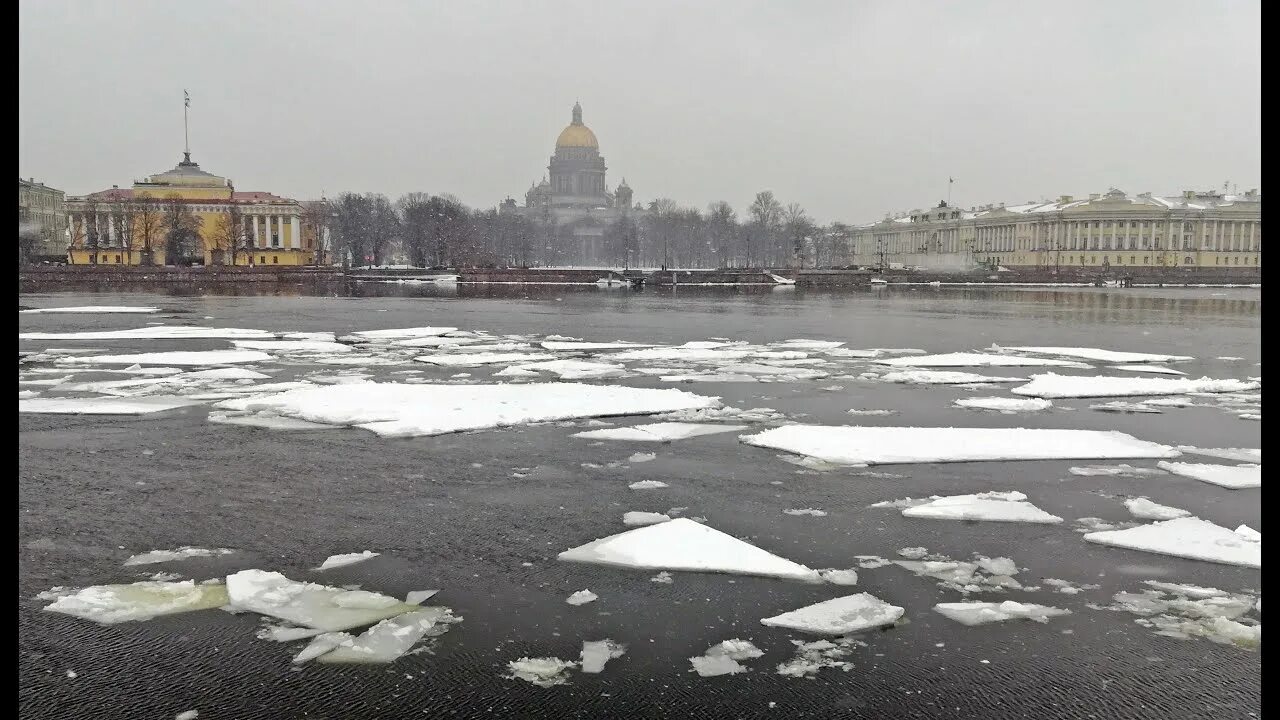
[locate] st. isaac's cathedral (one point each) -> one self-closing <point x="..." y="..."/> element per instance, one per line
<point x="575" y="205"/>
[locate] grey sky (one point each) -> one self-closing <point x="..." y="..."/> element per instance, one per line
<point x="852" y="109"/>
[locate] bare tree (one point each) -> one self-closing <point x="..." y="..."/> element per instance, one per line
<point x="722" y="225"/>
<point x="418" y="220"/>
<point x="229" y="236"/>
<point x="182" y="231"/>
<point x="148" y="220"/>
<point x="766" y="217"/>
<point x="383" y="226"/>
<point x="318" y="216"/>
<point x="122" y="214"/>
<point x="92" y="233"/>
<point x="799" y="230"/>
<point x="28" y="240"/>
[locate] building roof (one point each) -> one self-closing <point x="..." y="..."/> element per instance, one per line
<point x="254" y="196"/>
<point x="576" y="134"/>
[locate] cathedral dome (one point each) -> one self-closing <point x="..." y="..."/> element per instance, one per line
<point x="577" y="134"/>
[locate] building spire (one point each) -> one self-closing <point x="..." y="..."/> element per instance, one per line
<point x="186" y="133"/>
<point x="577" y="113"/>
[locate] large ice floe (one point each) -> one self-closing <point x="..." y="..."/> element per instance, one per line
<point x="858" y="445"/>
<point x="400" y="410"/>
<point x="658" y="432"/>
<point x="1050" y="385"/>
<point x="158" y="556"/>
<point x="110" y="604"/>
<point x="1110" y="356"/>
<point x="1189" y="611"/>
<point x="102" y="405"/>
<point x="989" y="506"/>
<point x="1187" y="537"/>
<point x="177" y="357"/>
<point x="943" y="377"/>
<point x="292" y="346"/>
<point x="320" y="607"/>
<point x="400" y="333"/>
<point x="981" y="613"/>
<point x="682" y="544"/>
<point x="1005" y="405"/>
<point x="114" y="309"/>
<point x="839" y="616"/>
<point x="962" y="359"/>
<point x="1246" y="455"/>
<point x="155" y="332"/>
<point x="1234" y="477"/>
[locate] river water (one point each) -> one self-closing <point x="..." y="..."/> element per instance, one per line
<point x="450" y="512"/>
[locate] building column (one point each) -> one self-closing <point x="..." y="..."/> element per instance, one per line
<point x="295" y="240"/>
<point x="255" y="231"/>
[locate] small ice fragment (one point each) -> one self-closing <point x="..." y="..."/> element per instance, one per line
<point x="187" y="715"/>
<point x="543" y="672"/>
<point x="582" y="597"/>
<point x="715" y="665"/>
<point x="319" y="645"/>
<point x="182" y="553"/>
<point x="805" y="511"/>
<point x="1145" y="509"/>
<point x="417" y="597"/>
<point x="643" y="518"/>
<point x="334" y="561"/>
<point x="641" y="457"/>
<point x="980" y="613"/>
<point x="913" y="553"/>
<point x="647" y="485"/>
<point x="662" y="578"/>
<point x="839" y="616"/>
<point x="840" y="577"/>
<point x="595" y="653"/>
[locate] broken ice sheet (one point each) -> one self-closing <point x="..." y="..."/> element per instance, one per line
<point x="813" y="656"/>
<point x="1120" y="406"/>
<point x="1154" y="369"/>
<point x="1187" y="537"/>
<point x="1227" y="476"/>
<point x="977" y="360"/>
<point x="1098" y="354"/>
<point x="103" y="405"/>
<point x="1244" y="455"/>
<point x="636" y="517"/>
<point x="595" y="653"/>
<point x="182" y="553"/>
<point x="647" y="485"/>
<point x="981" y="613"/>
<point x="943" y="377"/>
<point x="858" y="445"/>
<point x="98" y="309"/>
<point x="177" y="357"/>
<point x="301" y="603"/>
<point x="1050" y="385"/>
<point x="682" y="544"/>
<point x="989" y="506"/>
<point x="582" y="597"/>
<point x="1005" y="405"/>
<point x="1188" y="611"/>
<point x="156" y="332"/>
<point x="658" y="432"/>
<point x="334" y="561"/>
<point x="982" y="574"/>
<point x="1122" y="470"/>
<point x="1145" y="509"/>
<point x="267" y="420"/>
<point x="702" y="415"/>
<point x="805" y="511"/>
<point x="144" y="600"/>
<point x="839" y="616"/>
<point x="722" y="658"/>
<point x="392" y="638"/>
<point x="543" y="672"/>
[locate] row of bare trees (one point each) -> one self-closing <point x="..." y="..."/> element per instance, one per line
<point x="427" y="230"/>
<point x="141" y="225"/>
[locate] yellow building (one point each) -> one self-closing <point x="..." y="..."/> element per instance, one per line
<point x="217" y="225"/>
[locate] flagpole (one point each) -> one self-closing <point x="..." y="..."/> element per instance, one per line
<point x="186" y="134"/>
<point x="950" y="181"/>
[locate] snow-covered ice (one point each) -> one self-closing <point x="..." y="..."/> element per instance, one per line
<point x="595" y="653"/>
<point x="636" y="517"/>
<point x="1234" y="477"/>
<point x="317" y="606"/>
<point x="1100" y="355"/>
<point x="158" y="556"/>
<point x="1005" y="405"/>
<point x="857" y="445"/>
<point x="109" y="604"/>
<point x="480" y="358"/>
<point x="1050" y="385"/>
<point x="943" y="377"/>
<point x="961" y="359"/>
<point x="402" y="333"/>
<point x="838" y="616"/>
<point x="647" y="485"/>
<point x="582" y="597"/>
<point x="1187" y="537"/>
<point x="155" y="332"/>
<point x="400" y="410"/>
<point x="120" y="309"/>
<point x="682" y="544"/>
<point x="102" y="405"/>
<point x="269" y="421"/>
<point x="981" y="613"/>
<point x="641" y="457"/>
<point x="990" y="506"/>
<point x="177" y="357"/>
<point x="1246" y="455"/>
<point x="569" y="369"/>
<point x="658" y="432"/>
<point x="292" y="346"/>
<point x="840" y="577"/>
<point x="1145" y="509"/>
<point x="1188" y="611"/>
<point x="1154" y="369"/>
<point x="543" y="671"/>
<point x="1122" y="470"/>
<point x="575" y="345"/>
<point x="805" y="511"/>
<point x="341" y="560"/>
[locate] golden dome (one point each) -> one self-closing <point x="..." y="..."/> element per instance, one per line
<point x="577" y="136"/>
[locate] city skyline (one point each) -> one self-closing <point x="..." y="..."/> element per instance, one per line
<point x="829" y="112"/>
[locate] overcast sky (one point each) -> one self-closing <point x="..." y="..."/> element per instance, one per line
<point x="853" y="109"/>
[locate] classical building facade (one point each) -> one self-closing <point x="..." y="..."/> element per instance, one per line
<point x="110" y="227"/>
<point x="575" y="205"/>
<point x="1108" y="230"/>
<point x="41" y="214"/>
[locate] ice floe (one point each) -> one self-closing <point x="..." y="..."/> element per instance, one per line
<point x="401" y="333"/>
<point x="321" y="607"/>
<point x="1228" y="476"/>
<point x="805" y="344"/>
<point x="95" y="309"/>
<point x="576" y="345"/>
<point x="344" y="559"/>
<point x="683" y="354"/>
<point x="155" y="332"/>
<point x="595" y="653"/>
<point x="177" y="357"/>
<point x="480" y="358"/>
<point x="569" y="369"/>
<point x="943" y="377"/>
<point x="857" y="445"/>
<point x="636" y="517"/>
<point x="641" y="457"/>
<point x="811" y="657"/>
<point x="840" y="577"/>
<point x="1154" y="369"/>
<point x="1005" y="405"/>
<point x="1187" y="537"/>
<point x="1247" y="455"/>
<point x="400" y="410"/>
<point x="702" y="415"/>
<point x="102" y="405"/>
<point x="292" y="346"/>
<point x="723" y="658"/>
<point x="543" y="671"/>
<point x="982" y="574"/>
<point x="1120" y="406"/>
<point x="109" y="604"/>
<point x="682" y="544"/>
<point x="1121" y="470"/>
<point x="805" y="511"/>
<point x="1190" y="611"/>
<point x="391" y="638"/>
<point x="658" y="432"/>
<point x="1098" y="354"/>
<point x="647" y="485"/>
<point x="990" y="506"/>
<point x="1144" y="509"/>
<point x="1050" y="385"/>
<point x="582" y="597"/>
<point x="158" y="556"/>
<point x="961" y="359"/>
<point x="981" y="613"/>
<point x="839" y="616"/>
<point x="270" y="421"/>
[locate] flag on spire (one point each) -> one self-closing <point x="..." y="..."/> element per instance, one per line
<point x="186" y="98"/>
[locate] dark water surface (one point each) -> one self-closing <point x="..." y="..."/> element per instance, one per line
<point x="447" y="512"/>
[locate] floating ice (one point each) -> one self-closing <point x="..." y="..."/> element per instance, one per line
<point x="334" y="561"/>
<point x="700" y="415"/>
<point x="417" y="597"/>
<point x="1100" y="355"/>
<point x="103" y="405"/>
<point x="722" y="658"/>
<point x="402" y="333"/>
<point x="658" y="432"/>
<point x="1067" y="587"/>
<point x="398" y="409"/>
<point x="662" y="578"/>
<point x="1187" y="611"/>
<point x="1249" y="533"/>
<point x="177" y="357"/>
<point x="848" y="614"/>
<point x="155" y="332"/>
<point x="991" y="506"/>
<point x="647" y="485"/>
<point x="682" y="544"/>
<point x="982" y="574"/>
<point x="391" y="638"/>
<point x="1187" y="537"/>
<point x="1227" y="476"/>
<point x="182" y="553"/>
<point x="641" y="457"/>
<point x="643" y="518"/>
<point x="1121" y="470"/>
<point x="317" y="606"/>
<point x="1004" y="405"/>
<point x="804" y="344"/>
<point x="855" y="445"/>
<point x="123" y="309"/>
<point x="943" y="377"/>
<point x="582" y="597"/>
<point x="1248" y="455"/>
<point x="1155" y="369"/>
<point x="1050" y="385"/>
<point x="981" y="613"/>
<point x="229" y="373"/>
<point x="572" y="369"/>
<point x="595" y="653"/>
<point x="856" y="411"/>
<point x="685" y="354"/>
<point x="109" y="604"/>
<point x="480" y="358"/>
<point x="574" y="345"/>
<point x="840" y="577"/>
<point x="292" y="346"/>
<point x="270" y="421"/>
<point x="977" y="360"/>
<point x="1120" y="406"/>
<point x="813" y="656"/>
<point x="805" y="511"/>
<point x="1144" y="509"/>
<point x="543" y="672"/>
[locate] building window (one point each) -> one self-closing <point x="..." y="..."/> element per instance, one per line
<point x="1133" y="260"/>
<point x="1186" y="260"/>
<point x="275" y="259"/>
<point x="1146" y="259"/>
<point x="262" y="260"/>
<point x="117" y="259"/>
<point x="275" y="240"/>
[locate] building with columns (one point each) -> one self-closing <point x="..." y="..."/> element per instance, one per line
<point x="129" y="226"/>
<point x="41" y="213"/>
<point x="575" y="206"/>
<point x="1109" y="230"/>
